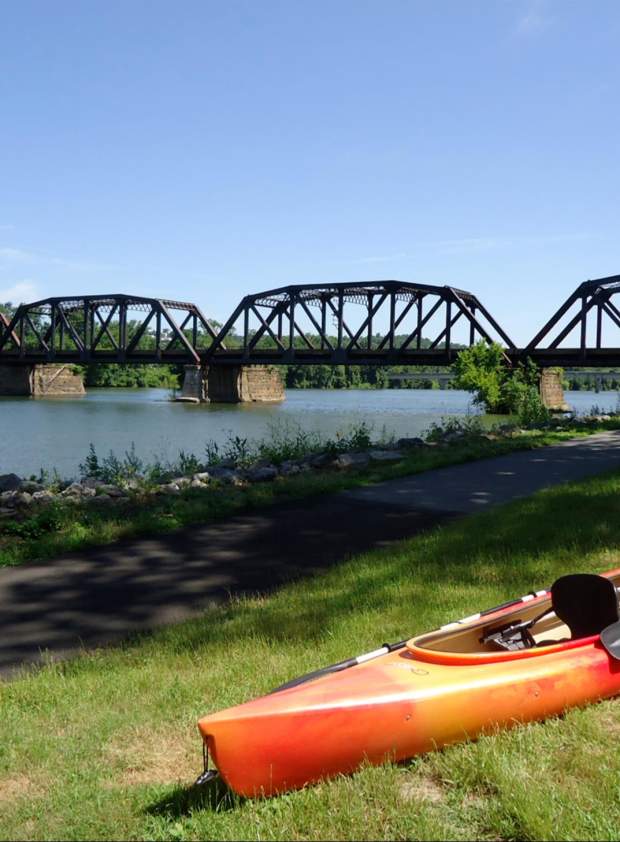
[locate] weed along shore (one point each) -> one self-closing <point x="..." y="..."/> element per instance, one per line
<point x="121" y="497"/>
<point x="106" y="746"/>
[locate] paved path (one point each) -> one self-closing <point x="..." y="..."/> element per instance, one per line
<point x="99" y="596"/>
<point x="474" y="486"/>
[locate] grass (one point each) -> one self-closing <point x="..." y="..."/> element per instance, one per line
<point x="65" y="527"/>
<point x="105" y="746"/>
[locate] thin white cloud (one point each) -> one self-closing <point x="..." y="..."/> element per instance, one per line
<point x="386" y="258"/>
<point x="21" y="292"/>
<point x="475" y="244"/>
<point x="7" y="253"/>
<point x="464" y="244"/>
<point x="18" y="255"/>
<point x="534" y="21"/>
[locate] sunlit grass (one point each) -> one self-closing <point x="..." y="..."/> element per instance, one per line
<point x="106" y="747"/>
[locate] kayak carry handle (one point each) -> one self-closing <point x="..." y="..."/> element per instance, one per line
<point x="207" y="774"/>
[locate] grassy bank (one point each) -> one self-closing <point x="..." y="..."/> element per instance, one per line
<point x="64" y="526"/>
<point x="106" y="746"/>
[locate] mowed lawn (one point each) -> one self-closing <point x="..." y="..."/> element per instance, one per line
<point x="106" y="746"/>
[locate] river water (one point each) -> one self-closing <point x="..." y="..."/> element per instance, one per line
<point x="56" y="432"/>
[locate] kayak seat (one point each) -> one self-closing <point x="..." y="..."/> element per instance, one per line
<point x="585" y="602"/>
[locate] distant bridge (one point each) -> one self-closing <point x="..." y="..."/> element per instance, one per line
<point x="446" y="376"/>
<point x="334" y="324"/>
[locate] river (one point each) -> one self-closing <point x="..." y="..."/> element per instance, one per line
<point x="56" y="432"/>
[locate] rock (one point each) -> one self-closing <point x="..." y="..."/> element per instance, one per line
<point x="92" y="482"/>
<point x="196" y="483"/>
<point x="289" y="469"/>
<point x="319" y="460"/>
<point x="385" y="455"/>
<point x="406" y="443"/>
<point x="43" y="496"/>
<point x="7" y="498"/>
<point x="203" y="476"/>
<point x="10" y="482"/>
<point x="351" y="460"/>
<point x="77" y="491"/>
<point x="265" y="473"/>
<point x="23" y="498"/>
<point x="30" y="486"/>
<point x="4" y="512"/>
<point x="109" y="490"/>
<point x="227" y="476"/>
<point x="181" y="482"/>
<point x="102" y="500"/>
<point x="168" y="488"/>
<point x="73" y="490"/>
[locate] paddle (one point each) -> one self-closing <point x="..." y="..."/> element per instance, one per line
<point x="610" y="638"/>
<point x="393" y="647"/>
<point x="341" y="665"/>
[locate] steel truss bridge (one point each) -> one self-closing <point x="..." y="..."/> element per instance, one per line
<point x="370" y="323"/>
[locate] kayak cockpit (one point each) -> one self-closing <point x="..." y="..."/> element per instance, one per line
<point x="573" y="613"/>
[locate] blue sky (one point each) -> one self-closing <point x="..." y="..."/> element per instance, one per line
<point x="203" y="150"/>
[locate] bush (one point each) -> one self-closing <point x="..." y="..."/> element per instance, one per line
<point x="465" y="427"/>
<point x="500" y="389"/>
<point x="111" y="468"/>
<point x="530" y="409"/>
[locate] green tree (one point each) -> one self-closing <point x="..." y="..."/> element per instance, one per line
<point x="498" y="387"/>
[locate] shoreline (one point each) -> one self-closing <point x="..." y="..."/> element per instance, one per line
<point x="43" y="522"/>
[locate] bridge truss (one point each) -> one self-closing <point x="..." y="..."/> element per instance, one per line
<point x="587" y="316"/>
<point x="371" y="323"/>
<point x="358" y="323"/>
<point x="105" y="328"/>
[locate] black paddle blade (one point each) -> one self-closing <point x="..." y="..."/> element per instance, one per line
<point x="610" y="638"/>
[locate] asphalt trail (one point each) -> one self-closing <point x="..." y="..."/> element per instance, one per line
<point x="99" y="596"/>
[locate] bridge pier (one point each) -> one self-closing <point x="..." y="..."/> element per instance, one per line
<point x="231" y="384"/>
<point x="40" y="380"/>
<point x="552" y="391"/>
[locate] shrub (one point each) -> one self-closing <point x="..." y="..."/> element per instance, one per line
<point x="500" y="389"/>
<point x="470" y="427"/>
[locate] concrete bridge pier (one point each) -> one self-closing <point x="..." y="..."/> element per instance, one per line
<point x="552" y="391"/>
<point x="231" y="384"/>
<point x="40" y="380"/>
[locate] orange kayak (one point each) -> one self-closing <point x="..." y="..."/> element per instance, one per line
<point x="525" y="660"/>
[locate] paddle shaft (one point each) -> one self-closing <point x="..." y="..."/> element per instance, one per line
<point x="393" y="647"/>
<point x="342" y="665"/>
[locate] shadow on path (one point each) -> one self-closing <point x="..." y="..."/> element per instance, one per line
<point x="107" y="593"/>
<point x="101" y="595"/>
